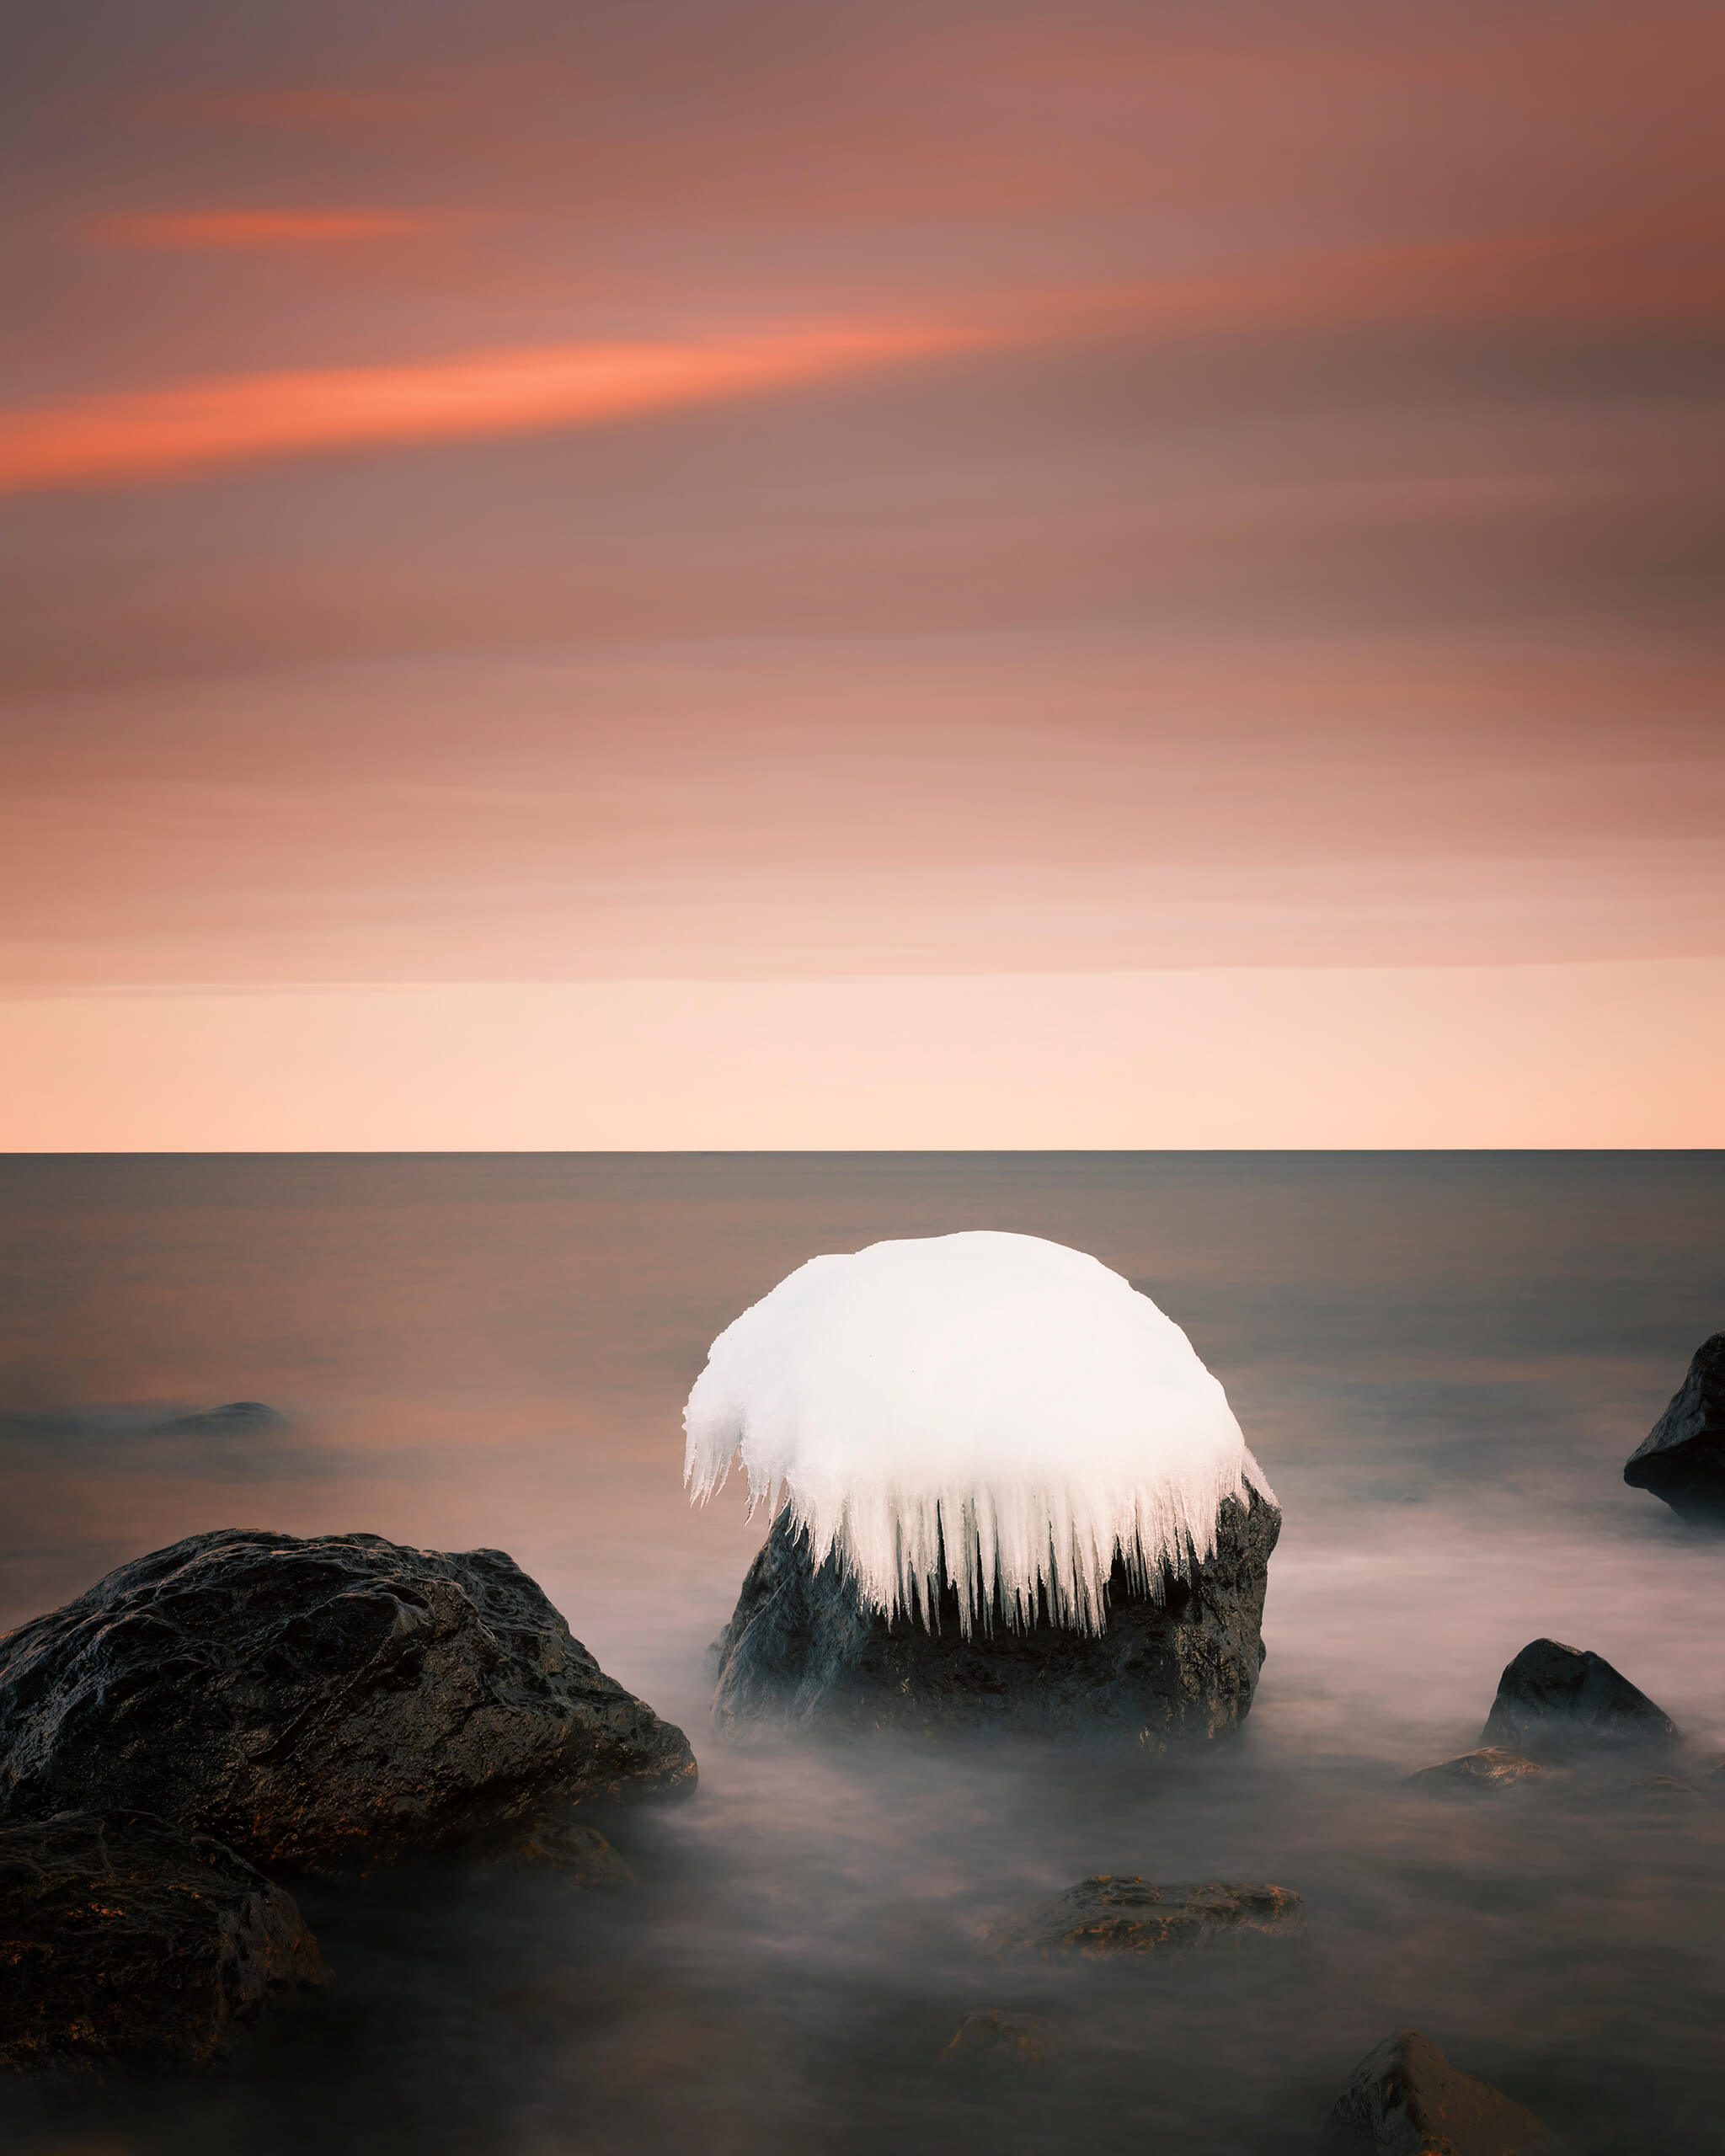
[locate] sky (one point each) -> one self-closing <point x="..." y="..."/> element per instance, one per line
<point x="839" y="575"/>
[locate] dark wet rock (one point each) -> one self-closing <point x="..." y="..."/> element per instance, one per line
<point x="1110" y="1915"/>
<point x="1555" y="1698"/>
<point x="1404" y="2099"/>
<point x="331" y="1703"/>
<point x="569" y="1851"/>
<point x="801" y="1649"/>
<point x="239" y="1418"/>
<point x="993" y="2037"/>
<point x="1490" y="1769"/>
<point x="1682" y="1458"/>
<point x="123" y="1938"/>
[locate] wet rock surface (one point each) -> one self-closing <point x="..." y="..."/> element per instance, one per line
<point x="1682" y="1458"/>
<point x="1404" y="2099"/>
<point x="1489" y="1769"/>
<point x="125" y="1940"/>
<point x="1112" y="1915"/>
<point x="1554" y="1698"/>
<point x="803" y="1650"/>
<point x="330" y="1703"/>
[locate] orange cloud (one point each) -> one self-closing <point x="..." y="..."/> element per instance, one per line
<point x="154" y="433"/>
<point x="243" y="229"/>
<point x="1613" y="278"/>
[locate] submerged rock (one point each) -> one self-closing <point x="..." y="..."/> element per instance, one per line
<point x="1662" y="1794"/>
<point x="1682" y="1458"/>
<point x="569" y="1851"/>
<point x="238" y="1418"/>
<point x="803" y="1648"/>
<point x="1555" y="1698"/>
<point x="992" y="2037"/>
<point x="125" y="1938"/>
<point x="1404" y="2099"/>
<point x="1110" y="1915"/>
<point x="333" y="1703"/>
<point x="1490" y="1768"/>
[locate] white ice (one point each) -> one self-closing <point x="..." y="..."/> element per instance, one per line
<point x="990" y="1408"/>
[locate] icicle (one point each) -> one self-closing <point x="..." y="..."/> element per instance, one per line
<point x="990" y="1411"/>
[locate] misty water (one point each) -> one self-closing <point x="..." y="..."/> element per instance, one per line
<point x="1441" y="1361"/>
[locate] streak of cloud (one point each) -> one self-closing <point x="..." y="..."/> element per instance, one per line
<point x="125" y="437"/>
<point x="141" y="436"/>
<point x="243" y="231"/>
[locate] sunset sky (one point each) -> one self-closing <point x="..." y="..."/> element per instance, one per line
<point x="839" y="575"/>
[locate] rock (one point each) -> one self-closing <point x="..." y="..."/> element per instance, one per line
<point x="1682" y="1458"/>
<point x="801" y="1649"/>
<point x="125" y="1938"/>
<point x="1554" y="1698"/>
<point x="1490" y="1768"/>
<point x="239" y="1418"/>
<point x="1109" y="1915"/>
<point x="1404" y="2099"/>
<point x="570" y="1852"/>
<point x="1662" y="1793"/>
<point x="331" y="1703"/>
<point x="991" y="2037"/>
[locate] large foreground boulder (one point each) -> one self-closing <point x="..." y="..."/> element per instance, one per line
<point x="1553" y="1698"/>
<point x="1682" y="1458"/>
<point x="803" y="1649"/>
<point x="1404" y="2099"/>
<point x="123" y="1938"/>
<point x="333" y="1703"/>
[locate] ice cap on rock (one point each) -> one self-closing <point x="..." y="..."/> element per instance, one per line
<point x="990" y="1409"/>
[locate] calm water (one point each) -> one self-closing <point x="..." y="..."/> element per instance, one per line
<point x="1442" y="1362"/>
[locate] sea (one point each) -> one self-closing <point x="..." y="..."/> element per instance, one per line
<point x="1441" y="1361"/>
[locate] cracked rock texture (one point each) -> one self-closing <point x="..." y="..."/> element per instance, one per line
<point x="331" y="1703"/>
<point x="123" y="1938"/>
<point x="801" y="1650"/>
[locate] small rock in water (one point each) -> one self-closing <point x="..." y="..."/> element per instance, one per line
<point x="1109" y="1915"/>
<point x="331" y="1703"/>
<point x="572" y="1852"/>
<point x="1553" y="1697"/>
<point x="992" y="2037"/>
<point x="239" y="1418"/>
<point x="122" y="1938"/>
<point x="1668" y="1793"/>
<point x="1682" y="1458"/>
<point x="1490" y="1768"/>
<point x="1404" y="2099"/>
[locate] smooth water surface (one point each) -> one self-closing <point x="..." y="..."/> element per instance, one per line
<point x="1441" y="1361"/>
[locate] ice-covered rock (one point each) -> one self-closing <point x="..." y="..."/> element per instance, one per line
<point x="1682" y="1458"/>
<point x="1003" y="1489"/>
